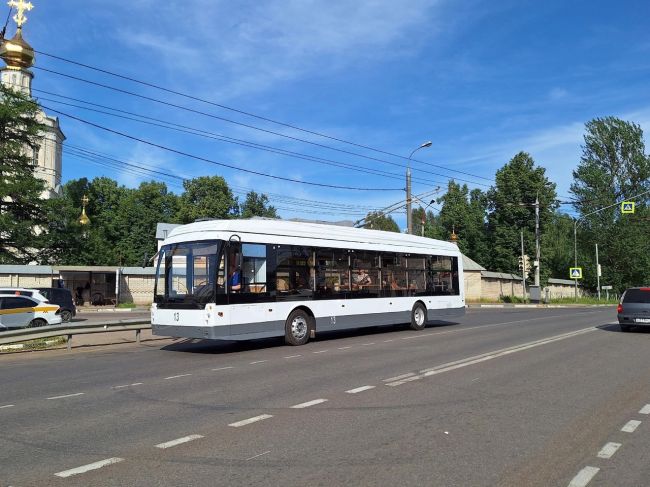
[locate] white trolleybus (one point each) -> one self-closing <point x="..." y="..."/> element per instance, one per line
<point x="248" y="279"/>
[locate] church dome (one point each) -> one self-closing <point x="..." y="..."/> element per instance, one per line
<point x="16" y="52"/>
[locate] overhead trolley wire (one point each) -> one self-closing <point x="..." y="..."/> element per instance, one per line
<point x="249" y="114"/>
<point x="271" y="132"/>
<point x="222" y="164"/>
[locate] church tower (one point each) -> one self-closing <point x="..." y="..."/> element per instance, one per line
<point x="19" y="57"/>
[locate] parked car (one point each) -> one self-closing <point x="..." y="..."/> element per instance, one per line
<point x="634" y="308"/>
<point x="21" y="291"/>
<point x="62" y="297"/>
<point x="18" y="311"/>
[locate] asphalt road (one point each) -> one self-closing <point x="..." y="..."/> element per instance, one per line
<point x="505" y="398"/>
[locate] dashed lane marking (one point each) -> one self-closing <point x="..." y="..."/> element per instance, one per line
<point x="360" y="389"/>
<point x="258" y="362"/>
<point x="255" y="419"/>
<point x="399" y="377"/>
<point x="403" y="381"/>
<point x="7" y="406"/>
<point x="631" y="426"/>
<point x="177" y="376"/>
<point x="584" y="477"/>
<point x="223" y="368"/>
<point x="321" y="351"/>
<point x="367" y="344"/>
<point x="66" y="395"/>
<point x="308" y="404"/>
<point x="388" y="341"/>
<point x="293" y="356"/>
<point x="344" y="348"/>
<point x="89" y="467"/>
<point x="178" y="441"/>
<point x="258" y="455"/>
<point x="645" y="409"/>
<point x="608" y="450"/>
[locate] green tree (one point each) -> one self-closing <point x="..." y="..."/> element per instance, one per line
<point x="510" y="204"/>
<point x="23" y="215"/>
<point x="257" y="205"/>
<point x="206" y="197"/>
<point x="557" y="245"/>
<point x="379" y="221"/>
<point x="613" y="167"/>
<point x="464" y="213"/>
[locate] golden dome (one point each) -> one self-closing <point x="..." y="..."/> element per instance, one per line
<point x="454" y="237"/>
<point x="16" y="52"/>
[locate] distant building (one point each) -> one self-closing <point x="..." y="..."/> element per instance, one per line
<point x="19" y="57"/>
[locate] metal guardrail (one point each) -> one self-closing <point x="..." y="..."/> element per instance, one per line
<point x="26" y="334"/>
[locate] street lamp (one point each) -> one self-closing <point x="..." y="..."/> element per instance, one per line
<point x="409" y="217"/>
<point x="424" y="214"/>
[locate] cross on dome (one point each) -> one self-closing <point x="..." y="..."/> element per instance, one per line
<point x="21" y="6"/>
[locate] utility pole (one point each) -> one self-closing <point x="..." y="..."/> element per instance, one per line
<point x="597" y="273"/>
<point x="409" y="216"/>
<point x="575" y="252"/>
<point x="523" y="267"/>
<point x="537" y="240"/>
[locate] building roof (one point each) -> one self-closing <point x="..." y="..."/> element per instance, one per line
<point x="470" y="265"/>
<point x="138" y="271"/>
<point x="500" y="275"/>
<point x="569" y="282"/>
<point x="27" y="269"/>
<point x="164" y="229"/>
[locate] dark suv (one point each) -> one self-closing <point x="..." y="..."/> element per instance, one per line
<point x="634" y="308"/>
<point x="63" y="298"/>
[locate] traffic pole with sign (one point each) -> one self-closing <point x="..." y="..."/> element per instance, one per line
<point x="627" y="207"/>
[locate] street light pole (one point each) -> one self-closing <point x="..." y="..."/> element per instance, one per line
<point x="409" y="216"/>
<point x="537" y="263"/>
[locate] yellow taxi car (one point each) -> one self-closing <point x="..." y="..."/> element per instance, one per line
<point x="26" y="312"/>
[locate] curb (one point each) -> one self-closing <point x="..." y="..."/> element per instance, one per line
<point x="512" y="305"/>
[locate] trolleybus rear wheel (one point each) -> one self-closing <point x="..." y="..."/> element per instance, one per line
<point x="418" y="317"/>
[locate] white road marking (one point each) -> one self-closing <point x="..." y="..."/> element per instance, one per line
<point x="321" y="351"/>
<point x="439" y="369"/>
<point x="89" y="467"/>
<point x="121" y="387"/>
<point x="308" y="404"/>
<point x="584" y="477"/>
<point x="360" y="389"/>
<point x="244" y="422"/>
<point x="391" y="340"/>
<point x="365" y="344"/>
<point x="630" y="426"/>
<point x="222" y="368"/>
<point x="403" y="381"/>
<point x="344" y="348"/>
<point x="399" y="377"/>
<point x="7" y="406"/>
<point x="177" y="376"/>
<point x="67" y="395"/>
<point x="178" y="441"/>
<point x="258" y="362"/>
<point x="293" y="356"/>
<point x="608" y="450"/>
<point x="137" y="384"/>
<point x="259" y="455"/>
<point x="645" y="409"/>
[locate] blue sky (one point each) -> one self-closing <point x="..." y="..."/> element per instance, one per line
<point x="481" y="80"/>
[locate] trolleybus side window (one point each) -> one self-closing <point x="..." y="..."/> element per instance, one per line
<point x="416" y="267"/>
<point x="332" y="273"/>
<point x="442" y="276"/>
<point x="294" y="272"/>
<point x="365" y="274"/>
<point x="393" y="275"/>
<point x="253" y="270"/>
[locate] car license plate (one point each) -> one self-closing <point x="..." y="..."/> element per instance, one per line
<point x="642" y="320"/>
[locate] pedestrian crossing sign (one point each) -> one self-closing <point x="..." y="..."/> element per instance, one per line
<point x="627" y="207"/>
<point x="575" y="272"/>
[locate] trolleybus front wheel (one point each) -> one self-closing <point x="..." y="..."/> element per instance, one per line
<point x="296" y="329"/>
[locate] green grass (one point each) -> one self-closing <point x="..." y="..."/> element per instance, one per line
<point x="126" y="305"/>
<point x="38" y="344"/>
